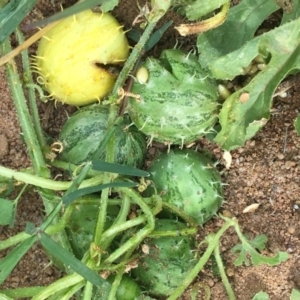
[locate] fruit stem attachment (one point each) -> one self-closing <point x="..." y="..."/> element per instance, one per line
<point x="133" y="57"/>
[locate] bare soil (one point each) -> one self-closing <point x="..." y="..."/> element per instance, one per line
<point x="265" y="171"/>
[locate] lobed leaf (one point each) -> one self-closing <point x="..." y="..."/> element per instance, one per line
<point x="248" y="250"/>
<point x="240" y="26"/>
<point x="241" y="120"/>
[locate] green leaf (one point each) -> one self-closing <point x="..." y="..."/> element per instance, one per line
<point x="109" y="5"/>
<point x="297" y="124"/>
<point x="291" y="11"/>
<point x="12" y="14"/>
<point x="69" y="198"/>
<point x="135" y="35"/>
<point x="295" y="295"/>
<point x="118" y="169"/>
<point x="194" y="11"/>
<point x="8" y="263"/>
<point x="241" y="120"/>
<point x="261" y="296"/>
<point x="4" y="297"/>
<point x="7" y="212"/>
<point x="241" y="23"/>
<point x="69" y="260"/>
<point x="248" y="248"/>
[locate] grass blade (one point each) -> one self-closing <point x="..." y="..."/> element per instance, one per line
<point x="117" y="168"/>
<point x="8" y="263"/>
<point x="75" y="9"/>
<point x="69" y="260"/>
<point x="11" y="16"/>
<point x="68" y="199"/>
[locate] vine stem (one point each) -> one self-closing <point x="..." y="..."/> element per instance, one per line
<point x="31" y="92"/>
<point x="30" y="137"/>
<point x="28" y="131"/>
<point x="212" y="244"/>
<point x="45" y="182"/>
<point x="111" y="120"/>
<point x="141" y="234"/>
<point x="223" y="275"/>
<point x="58" y="285"/>
<point x="133" y="57"/>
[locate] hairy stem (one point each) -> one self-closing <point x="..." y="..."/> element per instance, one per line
<point x="212" y="244"/>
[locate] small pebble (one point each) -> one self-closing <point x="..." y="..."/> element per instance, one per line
<point x="289" y="164"/>
<point x="230" y="272"/>
<point x="3" y="145"/>
<point x="280" y="156"/>
<point x="291" y="230"/>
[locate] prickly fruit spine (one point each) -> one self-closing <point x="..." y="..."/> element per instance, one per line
<point x="188" y="180"/>
<point x="178" y="101"/>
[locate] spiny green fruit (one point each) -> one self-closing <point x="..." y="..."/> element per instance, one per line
<point x="82" y="223"/>
<point x="168" y="262"/>
<point x="178" y="100"/>
<point x="76" y="58"/>
<point x="128" y="289"/>
<point x="84" y="130"/>
<point x="188" y="180"/>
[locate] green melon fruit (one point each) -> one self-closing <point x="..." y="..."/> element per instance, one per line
<point x="188" y="180"/>
<point x="84" y="130"/>
<point x="168" y="262"/>
<point x="81" y="227"/>
<point x="178" y="100"/>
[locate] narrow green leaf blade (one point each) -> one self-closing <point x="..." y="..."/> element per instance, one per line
<point x="68" y="199"/>
<point x="69" y="260"/>
<point x="8" y="263"/>
<point x="117" y="168"/>
<point x="7" y="212"/>
<point x="75" y="9"/>
<point x="11" y="16"/>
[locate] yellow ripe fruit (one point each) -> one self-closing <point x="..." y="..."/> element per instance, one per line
<point x="75" y="58"/>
